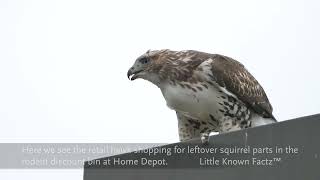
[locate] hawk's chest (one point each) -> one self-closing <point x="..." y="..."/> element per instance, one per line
<point x="195" y="100"/>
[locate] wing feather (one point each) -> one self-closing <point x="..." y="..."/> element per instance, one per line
<point x="232" y="75"/>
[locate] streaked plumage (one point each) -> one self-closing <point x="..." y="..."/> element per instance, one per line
<point x="209" y="92"/>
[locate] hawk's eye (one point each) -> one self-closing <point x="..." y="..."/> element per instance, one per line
<point x="144" y="60"/>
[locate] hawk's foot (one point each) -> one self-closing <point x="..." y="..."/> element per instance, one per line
<point x="205" y="138"/>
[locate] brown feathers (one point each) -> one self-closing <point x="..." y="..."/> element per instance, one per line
<point x="198" y="71"/>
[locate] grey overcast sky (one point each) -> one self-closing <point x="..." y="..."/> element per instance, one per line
<point x="63" y="63"/>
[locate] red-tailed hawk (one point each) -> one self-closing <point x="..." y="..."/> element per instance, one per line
<point x="209" y="92"/>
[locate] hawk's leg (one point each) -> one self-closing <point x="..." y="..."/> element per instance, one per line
<point x="189" y="128"/>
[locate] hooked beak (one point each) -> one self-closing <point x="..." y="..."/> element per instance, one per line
<point x="132" y="74"/>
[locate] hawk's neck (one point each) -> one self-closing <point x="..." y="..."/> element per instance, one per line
<point x="154" y="79"/>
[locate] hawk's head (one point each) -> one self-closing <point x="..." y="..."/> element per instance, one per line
<point x="139" y="68"/>
<point x="145" y="66"/>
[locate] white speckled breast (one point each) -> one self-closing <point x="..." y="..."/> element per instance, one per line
<point x="197" y="104"/>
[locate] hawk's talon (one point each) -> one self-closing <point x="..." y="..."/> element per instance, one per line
<point x="205" y="138"/>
